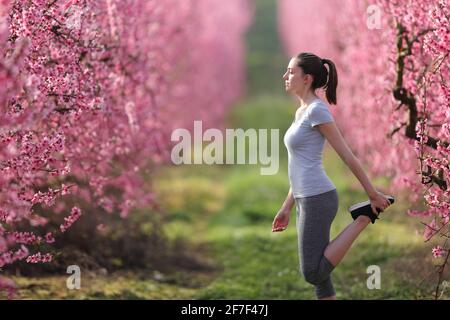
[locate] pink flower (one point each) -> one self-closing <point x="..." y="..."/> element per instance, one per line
<point x="23" y="237"/>
<point x="47" y="258"/>
<point x="49" y="238"/>
<point x="36" y="220"/>
<point x="21" y="253"/>
<point x="68" y="221"/>
<point x="38" y="257"/>
<point x="107" y="204"/>
<point x="437" y="251"/>
<point x="64" y="189"/>
<point x="35" y="258"/>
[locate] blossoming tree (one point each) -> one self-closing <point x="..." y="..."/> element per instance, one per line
<point x="90" y="91"/>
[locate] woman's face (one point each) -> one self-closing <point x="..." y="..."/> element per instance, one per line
<point x="295" y="80"/>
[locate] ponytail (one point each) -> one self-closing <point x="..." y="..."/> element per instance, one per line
<point x="332" y="82"/>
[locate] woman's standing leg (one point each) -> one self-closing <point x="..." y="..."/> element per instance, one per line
<point x="314" y="217"/>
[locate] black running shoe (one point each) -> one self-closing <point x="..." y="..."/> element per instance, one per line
<point x="364" y="208"/>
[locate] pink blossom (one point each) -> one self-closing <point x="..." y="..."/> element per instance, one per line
<point x="38" y="257"/>
<point x="438" y="251"/>
<point x="49" y="238"/>
<point x="68" y="221"/>
<point x="23" y="237"/>
<point x="68" y="70"/>
<point x="64" y="189"/>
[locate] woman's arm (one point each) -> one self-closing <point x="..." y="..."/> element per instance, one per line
<point x="288" y="202"/>
<point x="334" y="137"/>
<point x="281" y="220"/>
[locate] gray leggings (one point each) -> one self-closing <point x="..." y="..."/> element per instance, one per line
<point x="314" y="217"/>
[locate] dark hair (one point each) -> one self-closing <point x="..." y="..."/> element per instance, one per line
<point x="312" y="64"/>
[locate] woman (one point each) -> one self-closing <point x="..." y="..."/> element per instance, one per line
<point x="313" y="193"/>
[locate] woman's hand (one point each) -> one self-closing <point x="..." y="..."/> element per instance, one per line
<point x="281" y="220"/>
<point x="380" y="201"/>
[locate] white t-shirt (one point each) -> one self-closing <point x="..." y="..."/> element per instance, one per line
<point x="304" y="144"/>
